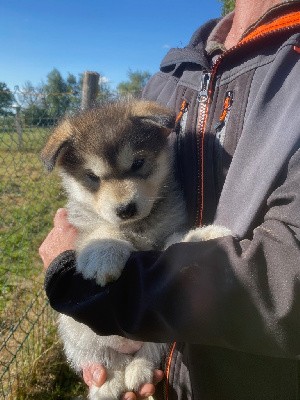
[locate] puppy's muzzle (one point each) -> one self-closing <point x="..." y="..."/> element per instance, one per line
<point x="126" y="211"/>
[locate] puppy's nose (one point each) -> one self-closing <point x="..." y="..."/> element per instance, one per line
<point x="126" y="211"/>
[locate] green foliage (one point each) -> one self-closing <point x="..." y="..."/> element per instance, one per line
<point x="105" y="93"/>
<point x="228" y="5"/>
<point x="56" y="90"/>
<point x="43" y="105"/>
<point x="135" y="84"/>
<point x="37" y="116"/>
<point x="74" y="90"/>
<point x="6" y="99"/>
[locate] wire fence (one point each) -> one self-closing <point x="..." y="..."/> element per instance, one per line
<point x="28" y="200"/>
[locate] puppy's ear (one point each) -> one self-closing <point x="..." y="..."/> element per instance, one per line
<point x="155" y="114"/>
<point x="60" y="139"/>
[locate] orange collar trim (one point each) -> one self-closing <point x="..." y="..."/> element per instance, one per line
<point x="288" y="20"/>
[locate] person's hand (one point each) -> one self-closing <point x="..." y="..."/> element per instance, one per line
<point x="95" y="374"/>
<point x="61" y="238"/>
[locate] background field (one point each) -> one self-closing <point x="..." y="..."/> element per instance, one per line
<point x="31" y="362"/>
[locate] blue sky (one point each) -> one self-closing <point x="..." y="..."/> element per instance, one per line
<point x="109" y="36"/>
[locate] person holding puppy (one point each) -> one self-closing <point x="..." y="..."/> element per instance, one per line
<point x="228" y="307"/>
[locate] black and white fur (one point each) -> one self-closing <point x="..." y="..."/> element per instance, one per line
<point x="116" y="165"/>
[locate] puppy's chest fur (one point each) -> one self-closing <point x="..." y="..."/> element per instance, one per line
<point x="151" y="233"/>
<point x="166" y="219"/>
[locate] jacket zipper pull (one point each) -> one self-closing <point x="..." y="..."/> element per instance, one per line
<point x="203" y="92"/>
<point x="226" y="109"/>
<point x="182" y="111"/>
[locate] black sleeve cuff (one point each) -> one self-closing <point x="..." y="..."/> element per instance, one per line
<point x="64" y="262"/>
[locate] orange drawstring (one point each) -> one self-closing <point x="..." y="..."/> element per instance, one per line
<point x="183" y="107"/>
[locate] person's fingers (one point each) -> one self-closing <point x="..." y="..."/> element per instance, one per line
<point x="60" y="217"/>
<point x="129" y="396"/>
<point x="44" y="252"/>
<point x="62" y="237"/>
<point x="158" y="376"/>
<point x="146" y="390"/>
<point x="94" y="374"/>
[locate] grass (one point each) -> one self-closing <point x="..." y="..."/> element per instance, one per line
<point x="51" y="378"/>
<point x="28" y="200"/>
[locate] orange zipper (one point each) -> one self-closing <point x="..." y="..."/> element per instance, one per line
<point x="203" y="99"/>
<point x="167" y="369"/>
<point x="286" y="23"/>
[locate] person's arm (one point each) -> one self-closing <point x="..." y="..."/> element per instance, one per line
<point x="238" y="294"/>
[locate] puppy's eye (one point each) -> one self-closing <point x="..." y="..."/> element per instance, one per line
<point x="137" y="164"/>
<point x="92" y="177"/>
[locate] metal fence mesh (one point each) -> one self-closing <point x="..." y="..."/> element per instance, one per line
<point x="28" y="200"/>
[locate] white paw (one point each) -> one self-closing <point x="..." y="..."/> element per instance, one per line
<point x="111" y="389"/>
<point x="138" y="372"/>
<point x="206" y="233"/>
<point x="103" y="260"/>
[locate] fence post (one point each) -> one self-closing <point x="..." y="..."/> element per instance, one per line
<point x="90" y="89"/>
<point x="18" y="125"/>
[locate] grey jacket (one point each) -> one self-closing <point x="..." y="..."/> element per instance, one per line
<point x="232" y="304"/>
<point x="251" y="173"/>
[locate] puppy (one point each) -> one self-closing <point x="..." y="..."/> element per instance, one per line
<point x="116" y="165"/>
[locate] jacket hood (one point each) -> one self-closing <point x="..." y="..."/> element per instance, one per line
<point x="195" y="53"/>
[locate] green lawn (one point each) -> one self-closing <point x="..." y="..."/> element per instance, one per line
<point x="29" y="198"/>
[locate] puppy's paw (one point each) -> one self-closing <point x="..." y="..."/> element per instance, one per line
<point x="138" y="372"/>
<point x="111" y="389"/>
<point x="103" y="260"/>
<point x="206" y="233"/>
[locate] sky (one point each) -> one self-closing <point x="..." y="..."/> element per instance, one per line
<point x="110" y="37"/>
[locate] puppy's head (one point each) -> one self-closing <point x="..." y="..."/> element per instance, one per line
<point x="114" y="159"/>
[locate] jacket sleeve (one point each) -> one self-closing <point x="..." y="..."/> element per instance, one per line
<point x="238" y="294"/>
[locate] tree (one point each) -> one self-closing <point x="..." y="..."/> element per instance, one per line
<point x="74" y="87"/>
<point x="37" y="116"/>
<point x="6" y="99"/>
<point x="34" y="107"/>
<point x="228" y="5"/>
<point x="134" y="86"/>
<point x="65" y="95"/>
<point x="56" y="96"/>
<point x="105" y="93"/>
<point x="30" y="95"/>
<point x="47" y="102"/>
